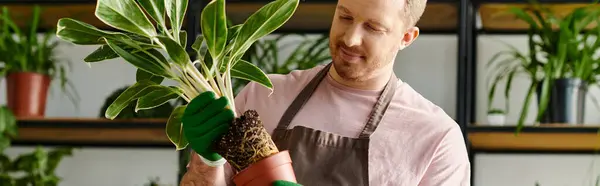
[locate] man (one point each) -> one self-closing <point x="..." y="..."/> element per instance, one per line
<point x="351" y="122"/>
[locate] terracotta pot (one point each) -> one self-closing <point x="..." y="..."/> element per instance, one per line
<point x="27" y="93"/>
<point x="266" y="171"/>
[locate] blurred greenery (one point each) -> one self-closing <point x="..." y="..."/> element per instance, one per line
<point x="305" y="51"/>
<point x="36" y="168"/>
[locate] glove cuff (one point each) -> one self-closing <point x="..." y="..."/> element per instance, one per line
<point x="217" y="163"/>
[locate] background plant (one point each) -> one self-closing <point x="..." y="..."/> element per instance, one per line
<point x="21" y="50"/>
<point x="155" y="181"/>
<point x="139" y="42"/>
<point x="32" y="169"/>
<point x="8" y="127"/>
<point x="306" y="53"/>
<point x="559" y="47"/>
<point x="36" y="168"/>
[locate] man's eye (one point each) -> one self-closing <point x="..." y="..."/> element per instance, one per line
<point x="373" y="28"/>
<point x="346" y="17"/>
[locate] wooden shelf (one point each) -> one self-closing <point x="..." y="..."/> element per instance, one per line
<point x="527" y="1"/>
<point x="317" y="17"/>
<point x="310" y="17"/>
<point x="558" y="138"/>
<point x="93" y="132"/>
<point x="495" y="17"/>
<point x="21" y="14"/>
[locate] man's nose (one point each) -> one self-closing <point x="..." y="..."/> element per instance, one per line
<point x="353" y="36"/>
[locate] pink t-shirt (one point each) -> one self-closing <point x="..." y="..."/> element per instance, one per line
<point x="416" y="143"/>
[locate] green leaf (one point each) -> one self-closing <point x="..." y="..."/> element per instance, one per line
<point x="264" y="21"/>
<point x="248" y="71"/>
<point x="149" y="61"/>
<point x="8" y="122"/>
<point x="3" y="71"/>
<point x="5" y="163"/>
<point x="4" y="143"/>
<point x="176" y="11"/>
<point x="124" y="15"/>
<point x="55" y="157"/>
<point x="142" y="75"/>
<point x="81" y="33"/>
<point x="156" y="10"/>
<point x="157" y="97"/>
<point x="130" y="94"/>
<point x="174" y="128"/>
<point x="104" y="52"/>
<point x="214" y="27"/>
<point x="183" y="38"/>
<point x="175" y="51"/>
<point x="198" y="44"/>
<point x="232" y="33"/>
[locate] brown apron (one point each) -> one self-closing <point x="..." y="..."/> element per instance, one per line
<point x="323" y="158"/>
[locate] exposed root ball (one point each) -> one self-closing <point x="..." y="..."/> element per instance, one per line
<point x="246" y="142"/>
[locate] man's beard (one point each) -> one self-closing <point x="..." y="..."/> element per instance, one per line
<point x="349" y="72"/>
<point x="358" y="72"/>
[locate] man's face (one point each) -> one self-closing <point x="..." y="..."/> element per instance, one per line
<point x="366" y="35"/>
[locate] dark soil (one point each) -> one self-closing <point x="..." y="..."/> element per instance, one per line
<point x="246" y="142"/>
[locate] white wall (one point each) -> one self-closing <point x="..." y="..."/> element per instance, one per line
<point x="429" y="65"/>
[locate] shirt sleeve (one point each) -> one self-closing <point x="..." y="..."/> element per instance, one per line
<point x="450" y="164"/>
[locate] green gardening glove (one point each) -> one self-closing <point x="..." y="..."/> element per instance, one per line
<point x="284" y="183"/>
<point x="205" y="119"/>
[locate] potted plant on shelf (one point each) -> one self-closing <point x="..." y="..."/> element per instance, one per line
<point x="560" y="62"/>
<point x="138" y="42"/>
<point x="29" y="64"/>
<point x="496" y="117"/>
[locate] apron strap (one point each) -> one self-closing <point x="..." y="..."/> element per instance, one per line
<point x="380" y="107"/>
<point x="377" y="113"/>
<point x="302" y="98"/>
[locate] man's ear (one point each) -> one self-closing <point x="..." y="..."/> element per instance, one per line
<point x="409" y="37"/>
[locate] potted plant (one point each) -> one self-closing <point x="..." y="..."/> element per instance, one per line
<point x="560" y="62"/>
<point x="496" y="117"/>
<point x="30" y="65"/>
<point x="140" y="41"/>
<point x="35" y="168"/>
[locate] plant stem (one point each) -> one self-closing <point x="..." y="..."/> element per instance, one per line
<point x="225" y="88"/>
<point x="209" y="76"/>
<point x="186" y="94"/>
<point x="228" y="83"/>
<point x="189" y="88"/>
<point x="214" y="85"/>
<point x="194" y="86"/>
<point x="199" y="80"/>
<point x="195" y="76"/>
<point x="185" y="80"/>
<point x="222" y="85"/>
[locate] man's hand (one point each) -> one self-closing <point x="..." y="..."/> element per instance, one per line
<point x="284" y="183"/>
<point x="205" y="119"/>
